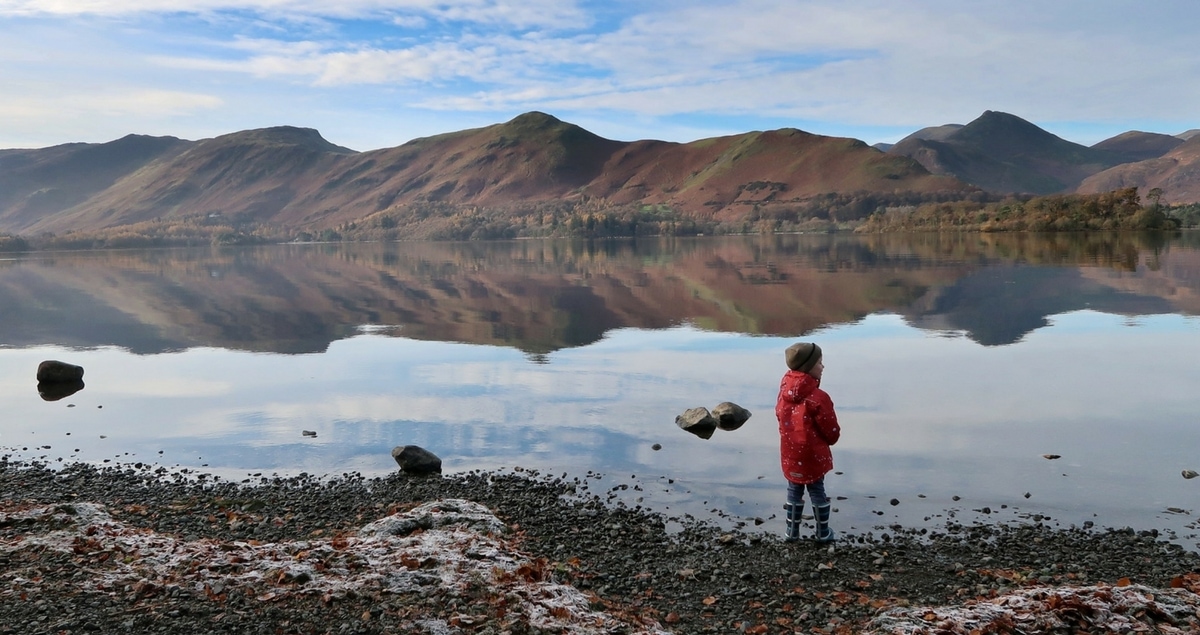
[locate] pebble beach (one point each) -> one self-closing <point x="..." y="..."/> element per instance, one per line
<point x="140" y="549"/>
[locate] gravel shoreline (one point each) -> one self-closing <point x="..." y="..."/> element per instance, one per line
<point x="637" y="575"/>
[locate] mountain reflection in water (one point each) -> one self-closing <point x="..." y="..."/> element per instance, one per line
<point x="956" y="362"/>
<point x="544" y="296"/>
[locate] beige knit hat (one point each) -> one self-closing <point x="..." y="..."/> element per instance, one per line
<point x="802" y="356"/>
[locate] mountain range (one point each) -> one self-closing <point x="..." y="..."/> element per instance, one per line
<point x="292" y="178"/>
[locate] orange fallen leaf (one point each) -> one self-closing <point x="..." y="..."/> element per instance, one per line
<point x="709" y="601"/>
<point x="1124" y="582"/>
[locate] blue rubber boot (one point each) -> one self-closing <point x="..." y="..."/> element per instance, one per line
<point x="824" y="533"/>
<point x="794" y="513"/>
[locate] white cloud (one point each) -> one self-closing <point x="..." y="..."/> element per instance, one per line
<point x="147" y="103"/>
<point x="153" y="103"/>
<point x="715" y="66"/>
<point x="524" y="14"/>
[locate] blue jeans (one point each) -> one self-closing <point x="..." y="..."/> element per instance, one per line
<point x="816" y="493"/>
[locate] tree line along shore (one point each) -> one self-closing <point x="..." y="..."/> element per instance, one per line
<point x="1119" y="210"/>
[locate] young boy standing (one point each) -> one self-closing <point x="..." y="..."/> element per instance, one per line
<point x="807" y="427"/>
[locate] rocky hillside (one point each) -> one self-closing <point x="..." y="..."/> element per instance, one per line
<point x="293" y="178"/>
<point x="38" y="184"/>
<point x="1002" y="153"/>
<point x="1176" y="173"/>
<point x="537" y="175"/>
<point x="1136" y="145"/>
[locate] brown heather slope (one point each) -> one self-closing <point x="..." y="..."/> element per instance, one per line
<point x="291" y="178"/>
<point x="725" y="177"/>
<point x="1177" y="173"/>
<point x="251" y="174"/>
<point x="40" y="182"/>
<point x="1136" y="145"/>
<point x="533" y="157"/>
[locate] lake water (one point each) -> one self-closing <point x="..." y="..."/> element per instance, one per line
<point x="955" y="362"/>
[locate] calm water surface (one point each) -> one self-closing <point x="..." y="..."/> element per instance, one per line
<point x="955" y="364"/>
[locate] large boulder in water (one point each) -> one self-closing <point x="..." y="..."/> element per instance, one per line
<point x="52" y="370"/>
<point x="698" y="421"/>
<point x="730" y="416"/>
<point x="414" y="459"/>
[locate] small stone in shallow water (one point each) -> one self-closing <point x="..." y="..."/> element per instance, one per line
<point x="1189" y="474"/>
<point x="656" y="447"/>
<point x="1051" y="456"/>
<point x="730" y="416"/>
<point x="309" y="433"/>
<point x="698" y="421"/>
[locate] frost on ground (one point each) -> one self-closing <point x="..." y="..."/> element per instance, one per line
<point x="451" y="547"/>
<point x="1116" y="609"/>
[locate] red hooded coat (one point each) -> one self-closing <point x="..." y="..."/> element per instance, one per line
<point x="807" y="427"/>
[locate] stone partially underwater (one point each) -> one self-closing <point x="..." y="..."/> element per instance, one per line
<point x="703" y="423"/>
<point x="54" y="371"/>
<point x="58" y="380"/>
<point x="414" y="459"/>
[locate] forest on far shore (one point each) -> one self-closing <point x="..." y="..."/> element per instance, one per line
<point x="1118" y="210"/>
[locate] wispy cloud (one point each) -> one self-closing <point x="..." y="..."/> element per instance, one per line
<point x="846" y="68"/>
<point x="518" y="13"/>
<point x="157" y="103"/>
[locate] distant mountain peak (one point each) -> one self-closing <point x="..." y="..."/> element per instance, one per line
<point x="1136" y="145"/>
<point x="994" y="122"/>
<point x="1001" y="152"/>
<point x="288" y="135"/>
<point x="534" y="118"/>
<point x="933" y="133"/>
<point x="539" y="125"/>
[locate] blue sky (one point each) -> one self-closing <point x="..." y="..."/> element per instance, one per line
<point x="377" y="73"/>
